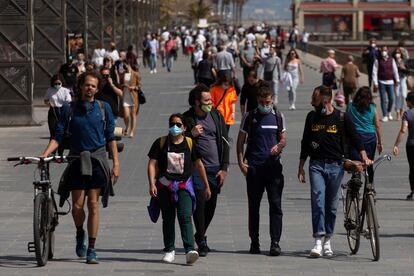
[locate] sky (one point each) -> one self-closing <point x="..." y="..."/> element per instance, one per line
<point x="267" y="9"/>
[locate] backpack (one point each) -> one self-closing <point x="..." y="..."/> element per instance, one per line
<point x="66" y="139"/>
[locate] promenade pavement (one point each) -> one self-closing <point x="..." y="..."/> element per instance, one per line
<point x="129" y="244"/>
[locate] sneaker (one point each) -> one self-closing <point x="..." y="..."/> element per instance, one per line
<point x="410" y="196"/>
<point x="202" y="250"/>
<point x="169" y="257"/>
<point x="155" y="71"/>
<point x="152" y="72"/>
<point x="316" y="251"/>
<point x="91" y="257"/>
<point x="275" y="249"/>
<point x="255" y="248"/>
<point x="81" y="246"/>
<point x="390" y="118"/>
<point x="327" y="250"/>
<point x="191" y="256"/>
<point x="384" y="119"/>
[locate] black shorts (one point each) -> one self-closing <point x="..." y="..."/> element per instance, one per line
<point x="79" y="182"/>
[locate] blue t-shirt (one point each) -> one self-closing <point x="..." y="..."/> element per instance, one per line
<point x="364" y="122"/>
<point x="86" y="126"/>
<point x="409" y="117"/>
<point x="263" y="131"/>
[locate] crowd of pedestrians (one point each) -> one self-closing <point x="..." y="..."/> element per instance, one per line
<point x="188" y="167"/>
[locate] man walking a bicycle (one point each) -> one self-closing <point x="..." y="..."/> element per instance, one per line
<point x="91" y="126"/>
<point x="326" y="130"/>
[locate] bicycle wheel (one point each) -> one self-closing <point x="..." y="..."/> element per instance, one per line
<point x="52" y="224"/>
<point x="352" y="222"/>
<point x="41" y="228"/>
<point x="373" y="230"/>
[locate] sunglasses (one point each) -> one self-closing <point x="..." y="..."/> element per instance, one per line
<point x="175" y="124"/>
<point x="105" y="76"/>
<point x="57" y="83"/>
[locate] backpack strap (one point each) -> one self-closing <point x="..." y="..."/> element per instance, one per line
<point x="102" y="108"/>
<point x="189" y="141"/>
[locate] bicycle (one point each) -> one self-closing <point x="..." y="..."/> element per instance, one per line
<point x="45" y="212"/>
<point x="356" y="208"/>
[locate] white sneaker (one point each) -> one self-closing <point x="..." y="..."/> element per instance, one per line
<point x="327" y="250"/>
<point x="390" y="117"/>
<point x="152" y="72"/>
<point x="155" y="71"/>
<point x="316" y="251"/>
<point x="191" y="256"/>
<point x="385" y="119"/>
<point x="169" y="257"/>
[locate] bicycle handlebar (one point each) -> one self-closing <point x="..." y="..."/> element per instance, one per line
<point x="378" y="161"/>
<point x="26" y="160"/>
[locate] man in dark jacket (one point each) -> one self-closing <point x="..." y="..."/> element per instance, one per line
<point x="207" y="128"/>
<point x="369" y="56"/>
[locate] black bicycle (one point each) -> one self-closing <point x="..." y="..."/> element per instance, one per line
<point x="45" y="212"/>
<point x="356" y="209"/>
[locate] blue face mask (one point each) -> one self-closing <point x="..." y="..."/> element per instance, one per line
<point x="175" y="130"/>
<point x="264" y="109"/>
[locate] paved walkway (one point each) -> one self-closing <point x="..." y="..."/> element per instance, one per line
<point x="129" y="244"/>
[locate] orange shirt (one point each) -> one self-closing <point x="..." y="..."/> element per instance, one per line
<point x="227" y="105"/>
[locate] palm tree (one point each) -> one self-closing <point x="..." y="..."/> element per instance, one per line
<point x="197" y="10"/>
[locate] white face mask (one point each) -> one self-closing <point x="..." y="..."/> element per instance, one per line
<point x="57" y="86"/>
<point x="384" y="53"/>
<point x="398" y="55"/>
<point x="373" y="45"/>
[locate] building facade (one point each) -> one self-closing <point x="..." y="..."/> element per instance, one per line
<point x="356" y="19"/>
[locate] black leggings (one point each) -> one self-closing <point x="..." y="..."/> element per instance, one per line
<point x="410" y="157"/>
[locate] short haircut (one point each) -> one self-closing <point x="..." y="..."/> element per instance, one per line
<point x="325" y="92"/>
<point x="410" y="97"/>
<point x="195" y="93"/>
<point x="252" y="73"/>
<point x="92" y="74"/>
<point x="264" y="90"/>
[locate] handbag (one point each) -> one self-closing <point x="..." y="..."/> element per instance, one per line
<point x="141" y="97"/>
<point x="339" y="98"/>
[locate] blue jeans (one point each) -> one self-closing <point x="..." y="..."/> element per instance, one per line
<point x="170" y="61"/>
<point x="325" y="179"/>
<point x="387" y="97"/>
<point x="153" y="61"/>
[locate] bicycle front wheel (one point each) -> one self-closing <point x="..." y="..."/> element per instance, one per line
<point x="373" y="228"/>
<point x="41" y="228"/>
<point x="352" y="222"/>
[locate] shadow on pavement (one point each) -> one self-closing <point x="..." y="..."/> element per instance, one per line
<point x="17" y="262"/>
<point x="402" y="235"/>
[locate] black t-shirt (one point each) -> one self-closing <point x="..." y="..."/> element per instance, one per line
<point x="325" y="136"/>
<point x="204" y="69"/>
<point x="175" y="162"/>
<point x="249" y="93"/>
<point x="108" y="95"/>
<point x="69" y="74"/>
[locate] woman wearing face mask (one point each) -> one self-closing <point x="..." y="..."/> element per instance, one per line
<point x="56" y="96"/>
<point x="401" y="90"/>
<point x="170" y="167"/>
<point x="293" y="66"/>
<point x="224" y="99"/>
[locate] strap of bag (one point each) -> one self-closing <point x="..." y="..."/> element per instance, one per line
<point x="222" y="98"/>
<point x="163" y="139"/>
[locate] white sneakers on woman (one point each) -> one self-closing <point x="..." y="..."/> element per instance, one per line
<point x="319" y="250"/>
<point x="191" y="257"/>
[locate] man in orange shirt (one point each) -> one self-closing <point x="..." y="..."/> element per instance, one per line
<point x="224" y="99"/>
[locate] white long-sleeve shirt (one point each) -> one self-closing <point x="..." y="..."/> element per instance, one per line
<point x="386" y="82"/>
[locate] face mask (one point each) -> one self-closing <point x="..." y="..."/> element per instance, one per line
<point x="398" y="55"/>
<point x="264" y="109"/>
<point x="321" y="109"/>
<point x="373" y="45"/>
<point x="384" y="53"/>
<point x="57" y="86"/>
<point x="206" y="107"/>
<point x="175" y="130"/>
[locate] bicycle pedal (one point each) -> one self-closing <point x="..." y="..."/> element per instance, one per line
<point x="31" y="247"/>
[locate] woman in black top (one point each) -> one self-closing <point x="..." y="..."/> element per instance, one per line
<point x="170" y="167"/>
<point x="206" y="73"/>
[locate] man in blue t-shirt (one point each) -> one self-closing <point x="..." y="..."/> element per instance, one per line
<point x="264" y="129"/>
